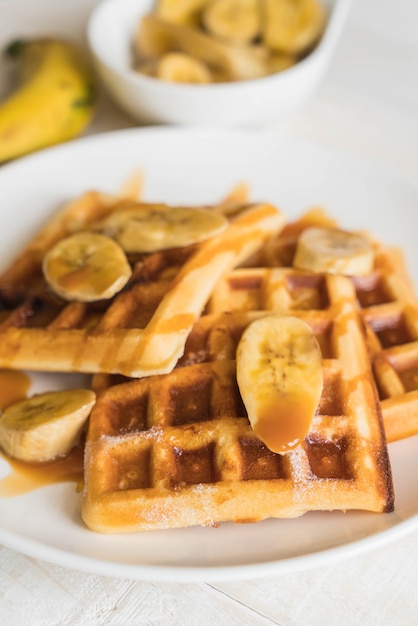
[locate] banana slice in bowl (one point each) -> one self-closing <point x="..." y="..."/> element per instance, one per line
<point x="334" y="251"/>
<point x="236" y="21"/>
<point x="179" y="11"/>
<point x="280" y="377"/>
<point x="86" y="267"/>
<point x="46" y="426"/>
<point x="293" y="26"/>
<point x="180" y="67"/>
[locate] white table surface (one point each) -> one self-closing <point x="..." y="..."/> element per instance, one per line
<point x="367" y="105"/>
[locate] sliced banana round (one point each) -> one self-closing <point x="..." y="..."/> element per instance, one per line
<point x="149" y="228"/>
<point x="280" y="377"/>
<point x="235" y="21"/>
<point x="333" y="251"/>
<point x="292" y="26"/>
<point x="179" y="67"/>
<point x="86" y="267"/>
<point x="179" y="11"/>
<point x="46" y="426"/>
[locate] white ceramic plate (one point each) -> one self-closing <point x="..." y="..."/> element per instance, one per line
<point x="197" y="167"/>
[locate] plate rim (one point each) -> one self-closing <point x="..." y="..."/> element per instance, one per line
<point x="206" y="574"/>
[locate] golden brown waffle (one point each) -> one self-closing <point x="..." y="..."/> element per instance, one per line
<point x="385" y="298"/>
<point x="390" y="312"/>
<point x="177" y="450"/>
<point x="142" y="329"/>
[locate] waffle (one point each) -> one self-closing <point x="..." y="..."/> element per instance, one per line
<point x="141" y="330"/>
<point x="390" y="314"/>
<point x="177" y="450"/>
<point x="387" y="304"/>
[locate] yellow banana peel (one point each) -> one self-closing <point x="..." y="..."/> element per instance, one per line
<point x="55" y="99"/>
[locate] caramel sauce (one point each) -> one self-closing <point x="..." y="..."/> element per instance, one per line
<point x="283" y="422"/>
<point x="176" y="323"/>
<point x="232" y="243"/>
<point x="79" y="277"/>
<point x="25" y="477"/>
<point x="253" y="217"/>
<point x="14" y="386"/>
<point x="232" y="246"/>
<point x="132" y="187"/>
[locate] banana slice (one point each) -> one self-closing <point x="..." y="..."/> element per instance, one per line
<point x="159" y="227"/>
<point x="45" y="426"/>
<point x="179" y="11"/>
<point x="235" y="21"/>
<point x="292" y="26"/>
<point x="179" y="67"/>
<point x="86" y="267"/>
<point x="280" y="377"/>
<point x="334" y="251"/>
<point x="156" y="37"/>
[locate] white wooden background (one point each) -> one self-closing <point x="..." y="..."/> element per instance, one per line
<point x="367" y="105"/>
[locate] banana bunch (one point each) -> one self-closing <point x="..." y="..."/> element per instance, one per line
<point x="54" y="101"/>
<point x="280" y="377"/>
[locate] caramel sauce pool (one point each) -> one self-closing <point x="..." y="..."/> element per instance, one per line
<point x="24" y="477"/>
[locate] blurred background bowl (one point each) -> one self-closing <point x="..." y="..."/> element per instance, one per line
<point x="149" y="100"/>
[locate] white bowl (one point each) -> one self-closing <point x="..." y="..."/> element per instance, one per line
<point x="149" y="100"/>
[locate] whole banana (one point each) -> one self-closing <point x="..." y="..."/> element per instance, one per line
<point x="54" y="101"/>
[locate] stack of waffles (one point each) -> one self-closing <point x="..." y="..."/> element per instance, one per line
<point x="169" y="443"/>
